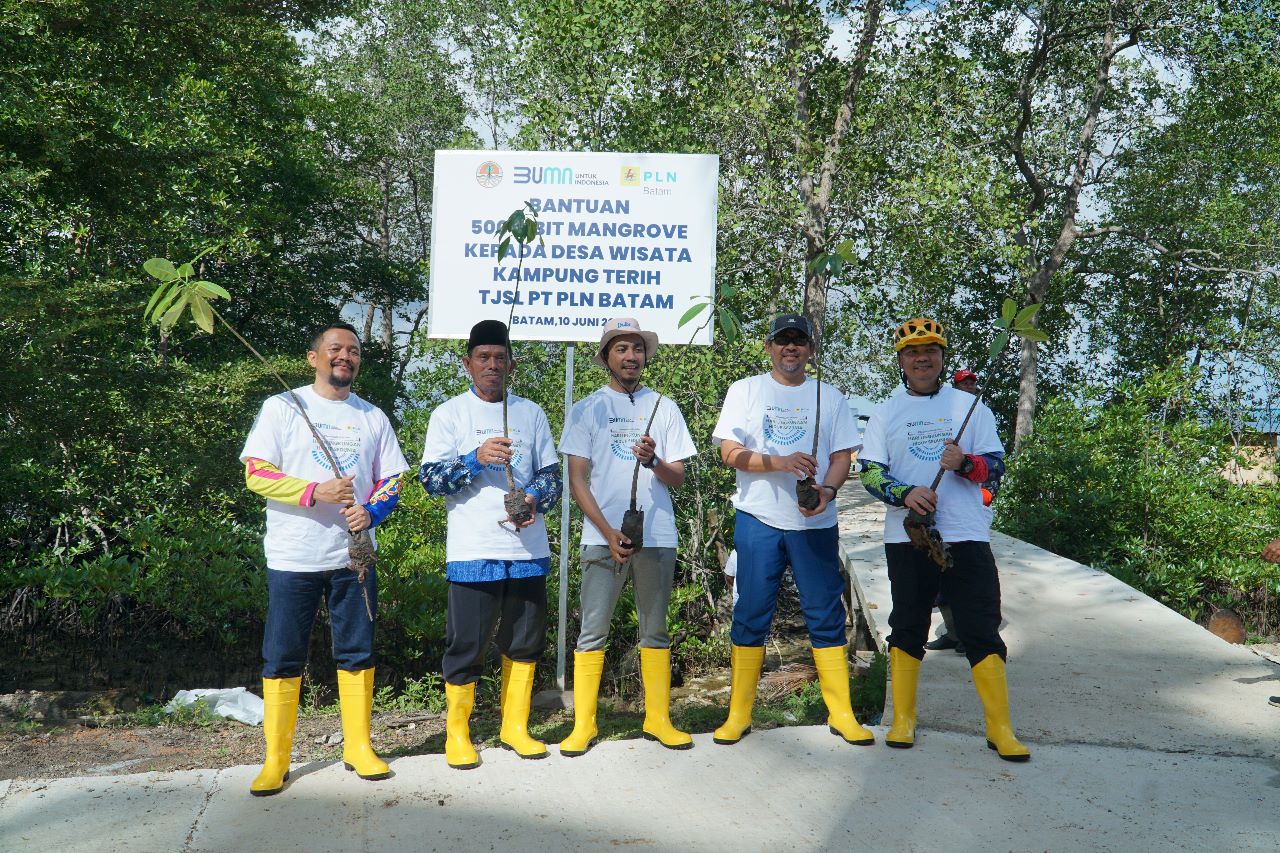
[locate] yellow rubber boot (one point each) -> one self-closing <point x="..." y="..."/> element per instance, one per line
<point x="515" y="713"/>
<point x="655" y="672"/>
<point x="993" y="690"/>
<point x="745" y="663"/>
<point x="904" y="674"/>
<point x="833" y="677"/>
<point x="587" y="668"/>
<point x="279" y="716"/>
<point x="355" y="700"/>
<point x="458" y="751"/>
<point x="506" y="679"/>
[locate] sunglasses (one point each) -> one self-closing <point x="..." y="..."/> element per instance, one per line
<point x="785" y="340"/>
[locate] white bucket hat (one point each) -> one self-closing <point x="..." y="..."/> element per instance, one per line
<point x="625" y="326"/>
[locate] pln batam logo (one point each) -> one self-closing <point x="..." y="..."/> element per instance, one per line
<point x="630" y="176"/>
<point x="489" y="174"/>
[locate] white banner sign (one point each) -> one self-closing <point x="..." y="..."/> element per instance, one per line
<point x="623" y="235"/>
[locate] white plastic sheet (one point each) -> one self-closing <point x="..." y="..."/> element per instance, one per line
<point x="234" y="703"/>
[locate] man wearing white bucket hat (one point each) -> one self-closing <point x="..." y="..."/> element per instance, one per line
<point x="604" y="436"/>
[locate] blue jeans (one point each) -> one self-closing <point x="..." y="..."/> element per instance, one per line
<point x="292" y="601"/>
<point x="764" y="553"/>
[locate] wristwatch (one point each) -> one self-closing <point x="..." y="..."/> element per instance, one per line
<point x="653" y="461"/>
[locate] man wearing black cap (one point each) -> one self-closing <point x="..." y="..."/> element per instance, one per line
<point x="765" y="430"/>
<point x="497" y="573"/>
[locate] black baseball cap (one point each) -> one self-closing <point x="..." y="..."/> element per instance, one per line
<point x="783" y="322"/>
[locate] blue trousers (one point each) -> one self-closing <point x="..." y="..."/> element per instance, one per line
<point x="764" y="553"/>
<point x="292" y="601"/>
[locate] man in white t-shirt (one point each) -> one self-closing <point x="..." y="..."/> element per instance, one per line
<point x="311" y="512"/>
<point x="497" y="572"/>
<point x="908" y="439"/>
<point x="766" y="432"/>
<point x="604" y="436"/>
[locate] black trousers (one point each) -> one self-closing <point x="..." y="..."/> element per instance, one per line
<point x="518" y="606"/>
<point x="971" y="587"/>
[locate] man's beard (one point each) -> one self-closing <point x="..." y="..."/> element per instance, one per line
<point x="339" y="382"/>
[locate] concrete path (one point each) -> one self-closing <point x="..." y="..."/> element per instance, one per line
<point x="1148" y="734"/>
<point x="1091" y="660"/>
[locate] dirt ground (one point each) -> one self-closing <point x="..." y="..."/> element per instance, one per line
<point x="77" y="750"/>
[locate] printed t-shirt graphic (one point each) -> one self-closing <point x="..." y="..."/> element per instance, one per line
<point x="764" y="415"/>
<point x="307" y="539"/>
<point x="907" y="433"/>
<point x="457" y="427"/>
<point x="603" y="427"/>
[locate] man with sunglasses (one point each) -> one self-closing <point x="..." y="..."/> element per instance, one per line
<point x="765" y="431"/>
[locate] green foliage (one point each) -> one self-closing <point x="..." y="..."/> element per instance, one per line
<point x="1131" y="482"/>
<point x="415" y="694"/>
<point x="196" y="715"/>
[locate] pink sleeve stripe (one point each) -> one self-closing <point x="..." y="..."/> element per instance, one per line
<point x="265" y="470"/>
<point x="307" y="498"/>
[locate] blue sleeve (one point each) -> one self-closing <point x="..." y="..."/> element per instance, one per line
<point x="545" y="488"/>
<point x="386" y="494"/>
<point x="450" y="476"/>
<point x="995" y="470"/>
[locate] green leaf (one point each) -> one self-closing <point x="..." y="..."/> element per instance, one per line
<point x="208" y="288"/>
<point x="1008" y="310"/>
<point x="160" y="268"/>
<point x="1024" y="316"/>
<point x="163" y="305"/>
<point x="845" y="250"/>
<point x="1033" y="334"/>
<point x="201" y="312"/>
<point x="1002" y="323"/>
<point x="692" y="312"/>
<point x="729" y="322"/>
<point x="155" y="298"/>
<point x="727" y="291"/>
<point x="186" y="270"/>
<point x="174" y="313"/>
<point x="997" y="346"/>
<point x="531" y="228"/>
<point x="503" y="247"/>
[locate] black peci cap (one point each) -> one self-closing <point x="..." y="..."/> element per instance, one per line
<point x="488" y="333"/>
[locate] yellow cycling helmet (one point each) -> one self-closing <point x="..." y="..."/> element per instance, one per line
<point x="917" y="332"/>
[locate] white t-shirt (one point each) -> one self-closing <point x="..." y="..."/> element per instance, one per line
<point x="459" y="426"/>
<point x="603" y="428"/>
<point x="764" y="415"/>
<point x="314" y="539"/>
<point x="906" y="433"/>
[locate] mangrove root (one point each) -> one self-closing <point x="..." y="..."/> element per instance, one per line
<point x="518" y="511"/>
<point x="633" y="528"/>
<point x="807" y="494"/>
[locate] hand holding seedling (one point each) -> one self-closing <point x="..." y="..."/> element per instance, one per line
<point x="494" y="451"/>
<point x="339" y="491"/>
<point x="952" y="456"/>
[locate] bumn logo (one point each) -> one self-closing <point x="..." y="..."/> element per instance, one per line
<point x="543" y="175"/>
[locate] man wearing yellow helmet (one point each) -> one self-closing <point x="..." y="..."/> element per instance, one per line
<point x="907" y="439"/>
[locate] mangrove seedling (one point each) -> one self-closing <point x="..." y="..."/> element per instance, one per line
<point x="521" y="227"/>
<point x="179" y="290"/>
<point x="921" y="529"/>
